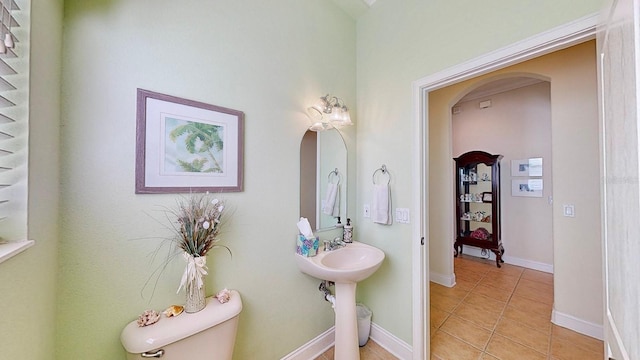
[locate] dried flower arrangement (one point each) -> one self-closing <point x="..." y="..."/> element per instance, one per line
<point x="199" y="220"/>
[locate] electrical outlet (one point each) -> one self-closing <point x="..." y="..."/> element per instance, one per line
<point x="367" y="211"/>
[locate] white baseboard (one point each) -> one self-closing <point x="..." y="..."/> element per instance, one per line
<point x="315" y="347"/>
<point x="442" y="279"/>
<point x="577" y="325"/>
<point x="529" y="264"/>
<point x="391" y="343"/>
<point x="326" y="340"/>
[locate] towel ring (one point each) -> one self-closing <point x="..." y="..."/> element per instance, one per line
<point x="384" y="171"/>
<point x="337" y="174"/>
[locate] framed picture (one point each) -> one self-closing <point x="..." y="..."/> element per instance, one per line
<point x="526" y="167"/>
<point x="187" y="146"/>
<point x="487" y="197"/>
<point x="526" y="187"/>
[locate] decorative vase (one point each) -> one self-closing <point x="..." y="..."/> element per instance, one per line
<point x="195" y="299"/>
<point x="193" y="282"/>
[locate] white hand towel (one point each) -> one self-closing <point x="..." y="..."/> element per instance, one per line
<point x="331" y="200"/>
<point x="381" y="204"/>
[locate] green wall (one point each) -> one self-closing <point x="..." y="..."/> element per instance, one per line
<point x="268" y="59"/>
<point x="400" y="42"/>
<point x="28" y="280"/>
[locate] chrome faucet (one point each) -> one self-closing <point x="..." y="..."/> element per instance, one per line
<point x="334" y="244"/>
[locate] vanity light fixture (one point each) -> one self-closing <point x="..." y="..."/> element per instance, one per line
<point x="328" y="113"/>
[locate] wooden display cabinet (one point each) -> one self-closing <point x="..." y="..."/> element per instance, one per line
<point x="478" y="203"/>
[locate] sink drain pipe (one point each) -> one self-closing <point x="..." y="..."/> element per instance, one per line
<point x="328" y="296"/>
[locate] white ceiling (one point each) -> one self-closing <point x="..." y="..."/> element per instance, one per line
<point x="355" y="8"/>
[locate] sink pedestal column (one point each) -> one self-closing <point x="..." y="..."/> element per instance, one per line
<point x="347" y="346"/>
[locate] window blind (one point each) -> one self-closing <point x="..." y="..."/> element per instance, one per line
<point x="13" y="122"/>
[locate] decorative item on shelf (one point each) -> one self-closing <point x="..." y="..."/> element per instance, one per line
<point x="328" y="113"/>
<point x="173" y="310"/>
<point x="198" y="225"/>
<point x="148" y="317"/>
<point x="485" y="177"/>
<point x="223" y="296"/>
<point x="480" y="234"/>
<point x="479" y="215"/>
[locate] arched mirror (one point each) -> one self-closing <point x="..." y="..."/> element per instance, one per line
<point x="323" y="178"/>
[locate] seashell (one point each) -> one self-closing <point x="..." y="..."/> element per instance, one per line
<point x="173" y="310"/>
<point x="148" y="317"/>
<point x="223" y="296"/>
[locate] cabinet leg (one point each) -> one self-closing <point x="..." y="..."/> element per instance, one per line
<point x="499" y="252"/>
<point x="499" y="260"/>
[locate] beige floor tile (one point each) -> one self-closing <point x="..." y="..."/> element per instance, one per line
<point x="373" y="351"/>
<point x="502" y="282"/>
<point x="380" y="351"/>
<point x="493" y="292"/>
<point x="538" y="276"/>
<point x="456" y="292"/>
<point x="473" y="265"/>
<point x="444" y="303"/>
<point x="529" y="305"/>
<point x="466" y="331"/>
<point x="524" y="335"/>
<point x="529" y="319"/>
<point x="506" y="349"/>
<point x="464" y="284"/>
<point x="469" y="276"/>
<point x="486" y="356"/>
<point x="508" y="269"/>
<point x="564" y="350"/>
<point x="437" y="317"/>
<point x="485" y="303"/>
<point x="538" y="286"/>
<point x="533" y="294"/>
<point x="482" y="318"/>
<point x="448" y="347"/>
<point x="582" y="341"/>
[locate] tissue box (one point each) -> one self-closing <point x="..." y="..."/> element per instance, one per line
<point x="307" y="247"/>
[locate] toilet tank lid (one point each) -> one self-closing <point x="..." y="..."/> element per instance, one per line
<point x="137" y="340"/>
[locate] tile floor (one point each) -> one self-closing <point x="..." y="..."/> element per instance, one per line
<point x="494" y="314"/>
<point x="503" y="314"/>
<point x="371" y="351"/>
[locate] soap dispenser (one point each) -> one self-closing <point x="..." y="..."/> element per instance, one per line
<point x="347" y="232"/>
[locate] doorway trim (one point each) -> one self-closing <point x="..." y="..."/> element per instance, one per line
<point x="558" y="38"/>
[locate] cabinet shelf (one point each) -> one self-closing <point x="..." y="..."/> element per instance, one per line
<point x="478" y="182"/>
<point x="478" y="221"/>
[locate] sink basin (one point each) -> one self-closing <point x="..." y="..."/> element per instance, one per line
<point x="352" y="263"/>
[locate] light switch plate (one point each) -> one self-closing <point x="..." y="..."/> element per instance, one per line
<point x="568" y="210"/>
<point x="367" y="211"/>
<point x="402" y="215"/>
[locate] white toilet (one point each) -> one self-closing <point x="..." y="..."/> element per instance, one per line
<point x="209" y="334"/>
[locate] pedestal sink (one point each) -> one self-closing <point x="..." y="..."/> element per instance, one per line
<point x="344" y="266"/>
